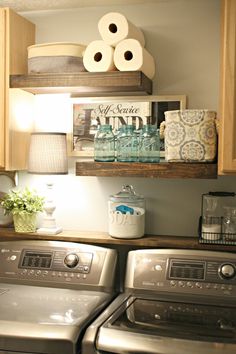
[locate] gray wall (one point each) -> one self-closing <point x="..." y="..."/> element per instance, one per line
<point x="184" y="38"/>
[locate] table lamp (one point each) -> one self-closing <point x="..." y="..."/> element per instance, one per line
<point x="48" y="156"/>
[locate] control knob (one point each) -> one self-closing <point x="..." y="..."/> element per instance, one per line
<point x="227" y="271"/>
<point x="71" y="260"/>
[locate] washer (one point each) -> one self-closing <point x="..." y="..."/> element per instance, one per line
<point x="175" y="301"/>
<point x="50" y="291"/>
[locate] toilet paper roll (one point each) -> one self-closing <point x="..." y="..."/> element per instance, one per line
<point x="114" y="27"/>
<point x="129" y="55"/>
<point x="98" y="56"/>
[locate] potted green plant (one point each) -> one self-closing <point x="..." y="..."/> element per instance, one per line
<point x="24" y="206"/>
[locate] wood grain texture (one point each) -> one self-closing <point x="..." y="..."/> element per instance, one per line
<point x="2" y="86"/>
<point x="20" y="124"/>
<point x="227" y="115"/>
<point x="16" y="34"/>
<point x="103" y="239"/>
<point x="20" y="35"/>
<point x="151" y="170"/>
<point x="84" y="83"/>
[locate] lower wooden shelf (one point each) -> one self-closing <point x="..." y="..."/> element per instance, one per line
<point x="103" y="239"/>
<point x="152" y="170"/>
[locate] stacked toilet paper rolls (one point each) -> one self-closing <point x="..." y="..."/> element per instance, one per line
<point x="121" y="47"/>
<point x="114" y="27"/>
<point x="129" y="55"/>
<point x="99" y="56"/>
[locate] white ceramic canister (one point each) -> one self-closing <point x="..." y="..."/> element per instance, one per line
<point x="126" y="214"/>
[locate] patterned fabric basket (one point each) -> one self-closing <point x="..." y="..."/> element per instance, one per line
<point x="190" y="135"/>
<point x="25" y="222"/>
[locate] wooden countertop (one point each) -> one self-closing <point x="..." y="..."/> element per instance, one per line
<point x="103" y="239"/>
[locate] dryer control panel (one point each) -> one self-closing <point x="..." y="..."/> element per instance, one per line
<point x="182" y="271"/>
<point x="57" y="263"/>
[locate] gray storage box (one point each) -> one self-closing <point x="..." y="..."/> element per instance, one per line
<point x="55" y="58"/>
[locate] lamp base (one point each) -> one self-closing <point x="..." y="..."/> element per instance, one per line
<point x="49" y="231"/>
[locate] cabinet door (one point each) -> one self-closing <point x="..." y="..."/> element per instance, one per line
<point x="227" y="116"/>
<point x="16" y="34"/>
<point x="2" y="87"/>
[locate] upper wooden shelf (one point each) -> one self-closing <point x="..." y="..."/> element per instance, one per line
<point x="152" y="170"/>
<point x="84" y="83"/>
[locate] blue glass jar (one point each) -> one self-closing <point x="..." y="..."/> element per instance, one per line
<point x="127" y="144"/>
<point x="104" y="144"/>
<point x="149" y="144"/>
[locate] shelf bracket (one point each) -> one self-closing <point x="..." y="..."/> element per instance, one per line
<point x="13" y="175"/>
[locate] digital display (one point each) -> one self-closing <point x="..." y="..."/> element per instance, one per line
<point x="187" y="270"/>
<point x="37" y="260"/>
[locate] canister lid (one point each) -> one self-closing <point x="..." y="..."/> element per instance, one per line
<point x="127" y="193"/>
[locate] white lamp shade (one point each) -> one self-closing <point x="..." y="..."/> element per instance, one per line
<point x="48" y="154"/>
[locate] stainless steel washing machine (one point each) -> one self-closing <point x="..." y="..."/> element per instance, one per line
<point x="175" y="302"/>
<point x="50" y="291"/>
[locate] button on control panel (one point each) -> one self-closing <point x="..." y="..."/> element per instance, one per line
<point x="200" y="285"/>
<point x="71" y="260"/>
<point x="227" y="270"/>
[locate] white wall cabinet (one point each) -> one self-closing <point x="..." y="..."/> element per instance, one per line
<point x="16" y="34"/>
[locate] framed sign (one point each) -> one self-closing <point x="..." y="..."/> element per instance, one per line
<point x="90" y="112"/>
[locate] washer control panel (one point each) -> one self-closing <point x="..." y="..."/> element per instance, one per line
<point x="56" y="262"/>
<point x="182" y="271"/>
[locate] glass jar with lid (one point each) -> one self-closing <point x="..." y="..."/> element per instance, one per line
<point x="149" y="144"/>
<point x="229" y="222"/>
<point x="211" y="222"/>
<point x="104" y="144"/>
<point x="126" y="214"/>
<point x="127" y="144"/>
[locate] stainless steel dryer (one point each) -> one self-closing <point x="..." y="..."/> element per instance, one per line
<point x="50" y="291"/>
<point x="175" y="301"/>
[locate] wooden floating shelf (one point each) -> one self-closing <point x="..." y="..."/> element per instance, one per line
<point x="151" y="170"/>
<point x="84" y="83"/>
<point x="103" y="239"/>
